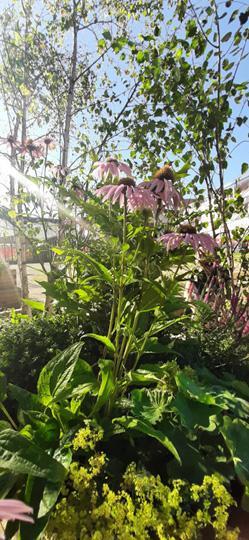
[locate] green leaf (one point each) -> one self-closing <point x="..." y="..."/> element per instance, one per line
<point x="101" y="43"/>
<point x="140" y="57"/>
<point x="21" y="456"/>
<point x="154" y="347"/>
<point x="103" y="272"/>
<point x="103" y="339"/>
<point x="7" y="481"/>
<point x="3" y="386"/>
<point x="58" y="251"/>
<point x="54" y="379"/>
<point x="195" y="415"/>
<point x="194" y="390"/>
<point x="153" y="295"/>
<point x="226" y="37"/>
<point x="83" y="380"/>
<point x="245" y="499"/>
<point x="26" y="399"/>
<point x="34" y="304"/>
<point x="12" y="214"/>
<point x="158" y="326"/>
<point x="150" y="405"/>
<point x="107" y="34"/>
<point x="183" y="171"/>
<point x="107" y="384"/>
<point x="147" y="374"/>
<point x="236" y="436"/>
<point x="50" y="496"/>
<point x="244" y="168"/>
<point x="143" y="427"/>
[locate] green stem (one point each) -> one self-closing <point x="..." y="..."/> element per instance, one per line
<point x="112" y="316"/>
<point x="139" y="354"/>
<point x="4" y="410"/>
<point x="121" y="290"/>
<point x="125" y="347"/>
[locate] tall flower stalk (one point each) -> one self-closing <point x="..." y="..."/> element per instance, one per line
<point x="153" y="198"/>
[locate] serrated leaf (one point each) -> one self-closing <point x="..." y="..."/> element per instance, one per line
<point x="56" y="375"/>
<point x="150" y="405"/>
<point x="21" y="456"/>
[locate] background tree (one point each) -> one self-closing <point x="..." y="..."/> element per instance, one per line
<point x="59" y="75"/>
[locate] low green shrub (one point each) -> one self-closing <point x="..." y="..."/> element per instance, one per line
<point x="26" y="345"/>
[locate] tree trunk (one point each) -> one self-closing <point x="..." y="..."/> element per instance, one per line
<point x="20" y="239"/>
<point x="68" y="116"/>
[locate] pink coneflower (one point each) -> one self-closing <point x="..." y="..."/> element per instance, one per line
<point x="59" y="172"/>
<point x="49" y="142"/>
<point x="110" y="167"/>
<point x="36" y="150"/>
<point x="189" y="236"/>
<point x="137" y="198"/>
<point x="11" y="509"/>
<point x="11" y="141"/>
<point x="164" y="191"/>
<point x="162" y="186"/>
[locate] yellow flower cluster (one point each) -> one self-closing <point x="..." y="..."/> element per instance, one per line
<point x="142" y="508"/>
<point x="87" y="437"/>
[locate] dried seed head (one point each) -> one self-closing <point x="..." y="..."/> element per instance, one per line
<point x="11" y="139"/>
<point x="127" y="182"/>
<point x="187" y="228"/>
<point x="112" y="160"/>
<point x="30" y="145"/>
<point x="47" y="140"/>
<point x="165" y="173"/>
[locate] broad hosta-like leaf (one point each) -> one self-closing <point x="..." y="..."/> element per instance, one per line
<point x="195" y="390"/>
<point x="56" y="375"/>
<point x="128" y="422"/>
<point x="195" y="415"/>
<point x="236" y="436"/>
<point x="213" y="394"/>
<point x="21" y="456"/>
